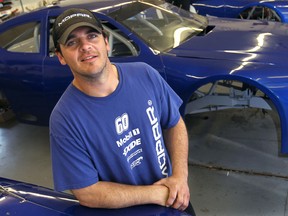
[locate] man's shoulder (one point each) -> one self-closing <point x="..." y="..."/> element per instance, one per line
<point x="67" y="99"/>
<point x="139" y="69"/>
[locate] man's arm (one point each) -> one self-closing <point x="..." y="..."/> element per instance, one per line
<point x="176" y="141"/>
<point x="115" y="195"/>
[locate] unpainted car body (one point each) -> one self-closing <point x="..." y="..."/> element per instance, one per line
<point x="245" y="9"/>
<point x="212" y="63"/>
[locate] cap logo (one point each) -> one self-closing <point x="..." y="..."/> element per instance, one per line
<point x="72" y="16"/>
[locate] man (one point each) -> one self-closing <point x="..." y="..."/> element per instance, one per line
<point x="108" y="129"/>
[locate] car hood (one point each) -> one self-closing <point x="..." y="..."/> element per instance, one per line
<point x="254" y="2"/>
<point x="240" y="3"/>
<point x="238" y="40"/>
<point x="19" y="198"/>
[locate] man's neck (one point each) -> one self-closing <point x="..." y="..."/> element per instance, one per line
<point x="102" y="87"/>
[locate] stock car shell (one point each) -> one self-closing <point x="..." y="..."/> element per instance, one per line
<point x="248" y="51"/>
<point x="20" y="198"/>
<point x="233" y="8"/>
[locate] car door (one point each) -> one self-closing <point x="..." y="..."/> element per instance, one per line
<point x="21" y="66"/>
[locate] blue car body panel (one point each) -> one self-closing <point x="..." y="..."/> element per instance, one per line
<point x="232" y="8"/>
<point x="19" y="198"/>
<point x="253" y="52"/>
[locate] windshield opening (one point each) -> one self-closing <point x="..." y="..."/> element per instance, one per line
<point x="161" y="25"/>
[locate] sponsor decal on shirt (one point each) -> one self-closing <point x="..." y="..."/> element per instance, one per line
<point x="130" y="142"/>
<point x="155" y="126"/>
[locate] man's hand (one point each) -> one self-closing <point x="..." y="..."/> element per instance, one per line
<point x="179" y="195"/>
<point x="176" y="141"/>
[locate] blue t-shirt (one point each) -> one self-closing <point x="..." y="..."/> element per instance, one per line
<point x="117" y="138"/>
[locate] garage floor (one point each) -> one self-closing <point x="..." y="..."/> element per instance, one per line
<point x="234" y="164"/>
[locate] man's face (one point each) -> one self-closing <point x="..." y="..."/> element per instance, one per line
<point x="85" y="52"/>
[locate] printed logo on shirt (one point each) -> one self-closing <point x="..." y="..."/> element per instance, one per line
<point x="127" y="137"/>
<point x="130" y="141"/>
<point x="122" y="123"/>
<point x="159" y="146"/>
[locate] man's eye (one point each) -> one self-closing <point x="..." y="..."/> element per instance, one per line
<point x="70" y="43"/>
<point x="92" y="35"/>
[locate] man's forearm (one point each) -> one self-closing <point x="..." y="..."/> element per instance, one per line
<point x="114" y="195"/>
<point x="176" y="140"/>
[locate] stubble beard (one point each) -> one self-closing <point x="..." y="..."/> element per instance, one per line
<point x="95" y="75"/>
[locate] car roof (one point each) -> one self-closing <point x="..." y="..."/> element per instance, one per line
<point x="91" y="3"/>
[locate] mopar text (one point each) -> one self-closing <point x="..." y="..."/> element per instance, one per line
<point x="158" y="141"/>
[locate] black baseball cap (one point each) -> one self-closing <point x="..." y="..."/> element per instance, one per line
<point x="71" y="19"/>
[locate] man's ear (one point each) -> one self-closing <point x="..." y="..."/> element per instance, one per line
<point x="107" y="44"/>
<point x="60" y="58"/>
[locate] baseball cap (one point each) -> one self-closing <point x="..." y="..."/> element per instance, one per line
<point x="71" y="19"/>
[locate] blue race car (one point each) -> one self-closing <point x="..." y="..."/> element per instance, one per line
<point x="19" y="198"/>
<point x="276" y="10"/>
<point x="211" y="63"/>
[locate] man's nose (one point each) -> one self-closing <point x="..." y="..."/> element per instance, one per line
<point x="84" y="44"/>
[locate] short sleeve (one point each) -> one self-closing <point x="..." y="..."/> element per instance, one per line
<point x="71" y="164"/>
<point x="169" y="102"/>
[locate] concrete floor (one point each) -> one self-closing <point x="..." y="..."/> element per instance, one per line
<point x="234" y="164"/>
<point x="235" y="168"/>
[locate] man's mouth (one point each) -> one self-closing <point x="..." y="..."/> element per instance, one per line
<point x="88" y="58"/>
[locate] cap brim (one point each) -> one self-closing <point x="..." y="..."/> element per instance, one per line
<point x="67" y="32"/>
